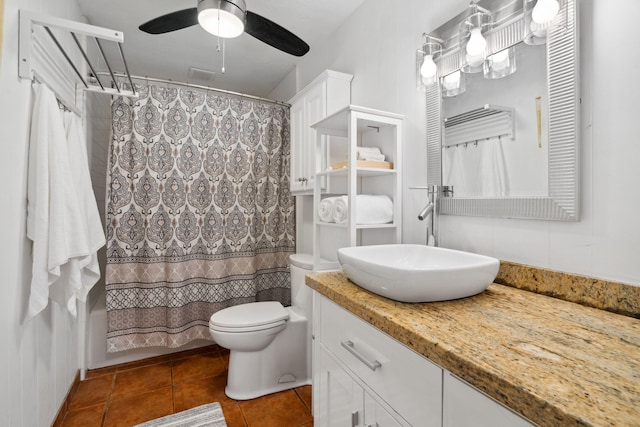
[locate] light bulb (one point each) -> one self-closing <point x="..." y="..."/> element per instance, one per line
<point x="221" y="23"/>
<point x="544" y="11"/>
<point x="428" y="69"/>
<point x="476" y="44"/>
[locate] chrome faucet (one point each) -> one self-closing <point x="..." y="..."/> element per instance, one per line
<point x="426" y="211"/>
<point x="431" y="211"/>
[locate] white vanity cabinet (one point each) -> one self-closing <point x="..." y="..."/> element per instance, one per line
<point x="362" y="377"/>
<point x="326" y="94"/>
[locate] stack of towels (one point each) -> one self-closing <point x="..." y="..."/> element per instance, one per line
<point x="369" y="153"/>
<point x="371" y="209"/>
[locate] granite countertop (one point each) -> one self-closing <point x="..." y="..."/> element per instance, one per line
<point x="555" y="362"/>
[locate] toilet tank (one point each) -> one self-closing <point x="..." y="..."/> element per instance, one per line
<point x="301" y="265"/>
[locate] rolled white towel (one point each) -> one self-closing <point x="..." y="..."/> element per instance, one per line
<point x="326" y="209"/>
<point x="371" y="209"/>
<point x="341" y="210"/>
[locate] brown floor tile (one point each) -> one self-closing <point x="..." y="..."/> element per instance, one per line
<point x="140" y="391"/>
<point x="233" y="415"/>
<point x="143" y="362"/>
<point x="225" y="357"/>
<point x="198" y="367"/>
<point x="198" y="392"/>
<point x="140" y="380"/>
<point x="193" y="352"/>
<point x="85" y="417"/>
<point x="305" y="394"/>
<point x="92" y="392"/>
<point x="93" y="373"/>
<point x="284" y="409"/>
<point x="136" y="409"/>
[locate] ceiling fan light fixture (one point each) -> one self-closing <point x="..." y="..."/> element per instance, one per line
<point x="222" y="18"/>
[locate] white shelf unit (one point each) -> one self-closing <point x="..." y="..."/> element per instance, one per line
<point x="350" y="128"/>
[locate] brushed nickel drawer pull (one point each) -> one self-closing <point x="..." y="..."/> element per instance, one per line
<point x="348" y="345"/>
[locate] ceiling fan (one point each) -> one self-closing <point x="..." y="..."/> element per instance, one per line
<point x="228" y="19"/>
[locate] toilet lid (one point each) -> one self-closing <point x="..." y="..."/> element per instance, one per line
<point x="253" y="314"/>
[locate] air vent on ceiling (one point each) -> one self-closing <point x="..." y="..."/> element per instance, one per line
<point x="201" y="75"/>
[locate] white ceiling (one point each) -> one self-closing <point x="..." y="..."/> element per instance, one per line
<point x="252" y="67"/>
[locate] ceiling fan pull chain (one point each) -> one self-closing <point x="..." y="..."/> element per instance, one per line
<point x="218" y="46"/>
<point x="219" y="6"/>
<point x="223" y="49"/>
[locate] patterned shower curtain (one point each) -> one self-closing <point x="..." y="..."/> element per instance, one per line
<point x="199" y="212"/>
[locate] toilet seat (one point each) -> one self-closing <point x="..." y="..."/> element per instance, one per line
<point x="254" y="316"/>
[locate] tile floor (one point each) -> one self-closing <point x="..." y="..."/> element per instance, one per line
<point x="127" y="394"/>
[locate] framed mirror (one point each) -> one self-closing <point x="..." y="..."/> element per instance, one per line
<point x="527" y="120"/>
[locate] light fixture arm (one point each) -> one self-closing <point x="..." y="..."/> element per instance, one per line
<point x="475" y="8"/>
<point x="432" y="45"/>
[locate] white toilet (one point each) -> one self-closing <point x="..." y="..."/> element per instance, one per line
<point x="270" y="344"/>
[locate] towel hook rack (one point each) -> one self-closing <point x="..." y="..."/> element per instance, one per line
<point x="28" y="53"/>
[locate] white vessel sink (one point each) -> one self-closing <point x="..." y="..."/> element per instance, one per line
<point x="417" y="273"/>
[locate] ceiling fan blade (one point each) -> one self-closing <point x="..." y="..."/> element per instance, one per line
<point x="274" y="35"/>
<point x="171" y="21"/>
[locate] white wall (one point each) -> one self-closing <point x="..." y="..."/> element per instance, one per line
<point x="38" y="359"/>
<point x="377" y="44"/>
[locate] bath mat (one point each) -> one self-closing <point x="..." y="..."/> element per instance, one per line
<point x="209" y="415"/>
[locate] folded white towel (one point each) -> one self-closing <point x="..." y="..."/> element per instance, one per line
<point x="371" y="156"/>
<point x="372" y="150"/>
<point x="370" y="209"/>
<point x="326" y="209"/>
<point x="368" y="153"/>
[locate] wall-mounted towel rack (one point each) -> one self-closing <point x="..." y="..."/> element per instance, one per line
<point x="486" y="122"/>
<point x="38" y="62"/>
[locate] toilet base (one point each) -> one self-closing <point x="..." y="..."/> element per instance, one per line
<point x="281" y="366"/>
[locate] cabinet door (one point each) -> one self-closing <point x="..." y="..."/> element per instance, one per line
<point x="315" y="110"/>
<point x="298" y="154"/>
<point x="305" y="112"/>
<point x="377" y="416"/>
<point x="340" y="398"/>
<point x="466" y="406"/>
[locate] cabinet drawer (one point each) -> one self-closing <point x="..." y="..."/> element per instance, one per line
<point x="408" y="382"/>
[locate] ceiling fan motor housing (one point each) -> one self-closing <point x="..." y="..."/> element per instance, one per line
<point x="224" y="18"/>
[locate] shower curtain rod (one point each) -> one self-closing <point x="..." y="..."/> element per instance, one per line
<point x="208" y="88"/>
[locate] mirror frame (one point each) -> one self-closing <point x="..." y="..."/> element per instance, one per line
<point x="562" y="203"/>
